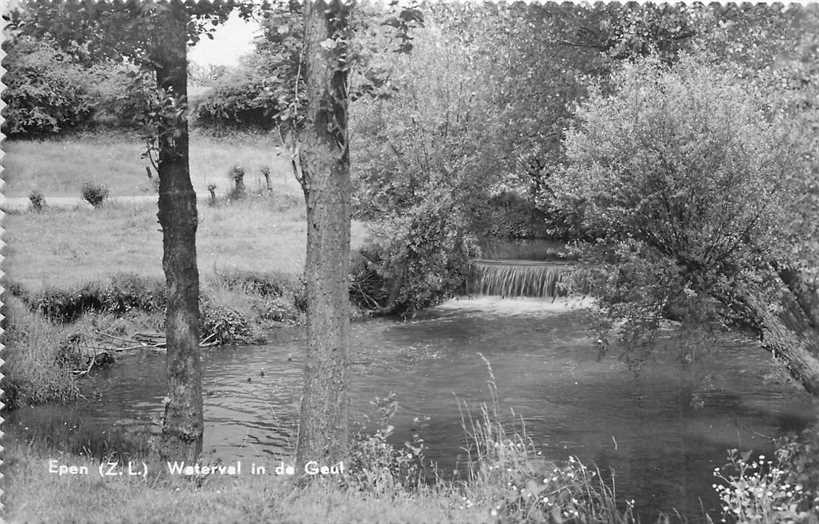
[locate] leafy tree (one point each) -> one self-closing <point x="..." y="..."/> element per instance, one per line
<point x="683" y="176"/>
<point x="154" y="36"/>
<point x="240" y="98"/>
<point x="427" y="142"/>
<point x="46" y="90"/>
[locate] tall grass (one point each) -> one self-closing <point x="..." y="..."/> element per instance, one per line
<point x="507" y="474"/>
<point x="166" y="498"/>
<point x="33" y="371"/>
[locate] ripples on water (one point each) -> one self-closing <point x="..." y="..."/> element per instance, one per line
<point x="645" y="427"/>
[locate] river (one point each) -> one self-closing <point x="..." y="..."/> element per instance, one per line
<point x="662" y="430"/>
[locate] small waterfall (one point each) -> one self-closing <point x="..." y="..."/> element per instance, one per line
<point x="517" y="278"/>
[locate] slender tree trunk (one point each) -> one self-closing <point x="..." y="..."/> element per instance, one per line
<point x="183" y="425"/>
<point x="325" y="176"/>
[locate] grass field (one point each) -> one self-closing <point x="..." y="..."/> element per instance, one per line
<point x="61" y="248"/>
<point x="59" y="167"/>
<point x="64" y="247"/>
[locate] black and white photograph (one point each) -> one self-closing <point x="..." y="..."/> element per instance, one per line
<point x="409" y="261"/>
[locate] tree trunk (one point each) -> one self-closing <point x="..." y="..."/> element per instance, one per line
<point x="324" y="163"/>
<point x="804" y="293"/>
<point x="791" y="333"/>
<point x="183" y="424"/>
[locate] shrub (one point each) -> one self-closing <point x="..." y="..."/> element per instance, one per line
<point x="126" y="292"/>
<point x="421" y="134"/>
<point x="65" y="306"/>
<point x="237" y="176"/>
<point x="121" y="294"/>
<point x="224" y="324"/>
<point x="413" y="261"/>
<point x="37" y="200"/>
<point x="94" y="194"/>
<point x="46" y="91"/>
<point x="278" y="310"/>
<point x="212" y="191"/>
<point x="237" y="100"/>
<point x="270" y="284"/>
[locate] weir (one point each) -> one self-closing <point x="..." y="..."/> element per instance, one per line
<point x="517" y="278"/>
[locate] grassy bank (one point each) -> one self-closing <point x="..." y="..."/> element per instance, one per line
<point x="33" y="370"/>
<point x="58" y="167"/>
<point x="91" y="499"/>
<point x="76" y="272"/>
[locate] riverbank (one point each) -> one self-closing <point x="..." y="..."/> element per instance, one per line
<point x="77" y="277"/>
<point x="93" y="499"/>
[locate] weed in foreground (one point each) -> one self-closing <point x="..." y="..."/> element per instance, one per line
<point x="507" y="474"/>
<point x="762" y="489"/>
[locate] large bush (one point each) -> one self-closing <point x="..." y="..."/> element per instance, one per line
<point x="413" y="260"/>
<point x="240" y="98"/>
<point x="681" y="177"/>
<point x="46" y="91"/>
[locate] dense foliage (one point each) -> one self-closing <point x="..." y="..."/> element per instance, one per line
<point x="414" y="260"/>
<point x="46" y="91"/>
<point x="679" y="181"/>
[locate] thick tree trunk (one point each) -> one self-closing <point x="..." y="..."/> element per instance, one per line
<point x="325" y="176"/>
<point x="804" y="292"/>
<point x="183" y="424"/>
<point x="791" y="333"/>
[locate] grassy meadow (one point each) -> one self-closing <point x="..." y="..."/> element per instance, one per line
<point x="59" y="167"/>
<point x="65" y="247"/>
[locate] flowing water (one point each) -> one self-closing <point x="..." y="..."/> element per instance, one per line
<point x="516" y="278"/>
<point x="662" y="431"/>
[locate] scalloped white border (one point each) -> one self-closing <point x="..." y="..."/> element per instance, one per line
<point x="6" y="5"/>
